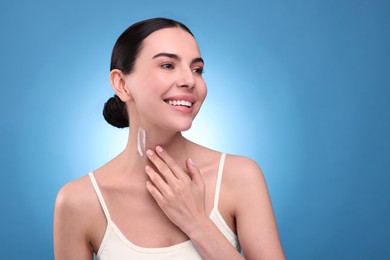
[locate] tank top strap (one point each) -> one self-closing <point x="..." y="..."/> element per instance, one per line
<point x="100" y="196"/>
<point x="219" y="180"/>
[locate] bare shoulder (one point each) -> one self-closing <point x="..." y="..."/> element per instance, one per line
<point x="74" y="232"/>
<point x="76" y="195"/>
<point x="244" y="180"/>
<point x="241" y="170"/>
<point x="252" y="208"/>
<point x="76" y="204"/>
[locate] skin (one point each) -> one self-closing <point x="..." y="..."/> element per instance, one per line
<point x="171" y="189"/>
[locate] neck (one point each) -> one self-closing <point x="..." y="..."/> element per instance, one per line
<point x="135" y="159"/>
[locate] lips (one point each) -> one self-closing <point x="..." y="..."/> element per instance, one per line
<point x="180" y="101"/>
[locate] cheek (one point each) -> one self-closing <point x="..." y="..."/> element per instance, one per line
<point x="203" y="91"/>
<point x="145" y="87"/>
<point x="157" y="83"/>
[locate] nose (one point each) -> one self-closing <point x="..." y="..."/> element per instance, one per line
<point x="186" y="79"/>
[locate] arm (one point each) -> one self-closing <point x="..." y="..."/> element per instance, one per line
<point x="70" y="240"/>
<point x="255" y="220"/>
<point x="211" y="243"/>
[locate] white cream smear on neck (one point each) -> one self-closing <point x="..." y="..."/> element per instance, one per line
<point x="141" y="141"/>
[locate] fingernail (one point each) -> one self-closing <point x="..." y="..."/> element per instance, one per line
<point x="190" y="160"/>
<point x="159" y="149"/>
<point x="149" y="152"/>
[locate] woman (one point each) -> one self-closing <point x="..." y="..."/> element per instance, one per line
<point x="164" y="197"/>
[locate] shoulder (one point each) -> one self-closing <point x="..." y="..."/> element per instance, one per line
<point x="74" y="232"/>
<point x="241" y="170"/>
<point x="244" y="180"/>
<point x="75" y="193"/>
<point x="252" y="208"/>
<point x="76" y="200"/>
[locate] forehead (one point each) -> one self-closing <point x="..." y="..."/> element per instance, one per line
<point x="170" y="40"/>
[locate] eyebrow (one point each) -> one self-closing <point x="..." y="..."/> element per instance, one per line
<point x="177" y="57"/>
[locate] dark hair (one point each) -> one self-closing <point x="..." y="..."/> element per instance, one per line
<point x="123" y="57"/>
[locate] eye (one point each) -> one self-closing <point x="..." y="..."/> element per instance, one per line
<point x="167" y="66"/>
<point x="198" y="70"/>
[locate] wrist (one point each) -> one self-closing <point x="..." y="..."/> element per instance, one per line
<point x="199" y="228"/>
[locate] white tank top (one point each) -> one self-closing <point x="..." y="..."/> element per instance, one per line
<point x="115" y="246"/>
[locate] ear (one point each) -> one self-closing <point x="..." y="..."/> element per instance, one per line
<point x="118" y="83"/>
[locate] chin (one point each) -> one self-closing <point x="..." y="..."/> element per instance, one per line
<point x="184" y="127"/>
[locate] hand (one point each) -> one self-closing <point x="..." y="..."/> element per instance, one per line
<point x="180" y="195"/>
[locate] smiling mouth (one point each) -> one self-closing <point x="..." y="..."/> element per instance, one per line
<point x="182" y="103"/>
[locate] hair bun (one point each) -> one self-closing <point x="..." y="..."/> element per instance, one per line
<point x="115" y="112"/>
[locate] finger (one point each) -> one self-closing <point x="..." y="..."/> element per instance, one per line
<point x="170" y="162"/>
<point x="156" y="194"/>
<point x="194" y="172"/>
<point x="161" y="166"/>
<point x="157" y="181"/>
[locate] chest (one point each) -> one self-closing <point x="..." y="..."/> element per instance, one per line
<point x="140" y="220"/>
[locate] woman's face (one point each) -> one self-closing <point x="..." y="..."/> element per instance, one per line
<point x="166" y="84"/>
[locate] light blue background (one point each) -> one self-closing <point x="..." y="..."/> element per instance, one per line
<point x="302" y="87"/>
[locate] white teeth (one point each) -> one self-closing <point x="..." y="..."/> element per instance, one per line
<point x="180" y="103"/>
